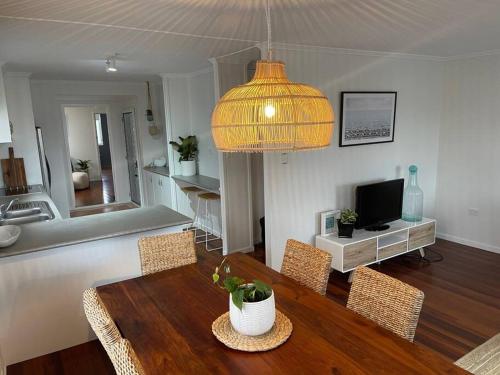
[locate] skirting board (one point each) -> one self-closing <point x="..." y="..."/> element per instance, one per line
<point x="243" y="250"/>
<point x="463" y="241"/>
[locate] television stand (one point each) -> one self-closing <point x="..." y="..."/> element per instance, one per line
<point x="367" y="247"/>
<point x="377" y="227"/>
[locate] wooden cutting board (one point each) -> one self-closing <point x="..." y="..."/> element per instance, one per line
<point x="14" y="174"/>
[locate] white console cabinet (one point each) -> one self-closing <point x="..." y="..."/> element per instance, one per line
<point x="366" y="247"/>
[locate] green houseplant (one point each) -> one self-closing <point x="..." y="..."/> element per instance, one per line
<point x="251" y="304"/>
<point x="83" y="165"/>
<point x="346" y="223"/>
<point x="188" y="150"/>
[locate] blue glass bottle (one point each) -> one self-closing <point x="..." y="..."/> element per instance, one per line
<point x="413" y="198"/>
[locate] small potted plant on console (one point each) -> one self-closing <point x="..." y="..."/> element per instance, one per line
<point x="346" y="223"/>
<point x="251" y="304"/>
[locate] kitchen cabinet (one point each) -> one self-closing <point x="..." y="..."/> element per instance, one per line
<point x="157" y="189"/>
<point x="5" y="136"/>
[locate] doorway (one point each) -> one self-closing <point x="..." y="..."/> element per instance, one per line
<point x="90" y="156"/>
<point x="128" y="120"/>
<point x="102" y="138"/>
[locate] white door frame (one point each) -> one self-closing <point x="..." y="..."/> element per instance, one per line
<point x="138" y="154"/>
<point x="69" y="180"/>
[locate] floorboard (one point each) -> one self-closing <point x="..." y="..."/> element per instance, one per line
<point x="85" y="359"/>
<point x="461" y="307"/>
<point x="98" y="192"/>
<point x="103" y="209"/>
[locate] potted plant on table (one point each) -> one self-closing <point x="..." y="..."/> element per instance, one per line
<point x="188" y="149"/>
<point x="346" y="223"/>
<point x="251" y="304"/>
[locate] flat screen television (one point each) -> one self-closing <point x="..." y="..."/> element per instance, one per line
<point x="378" y="204"/>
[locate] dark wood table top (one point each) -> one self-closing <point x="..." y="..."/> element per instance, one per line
<point x="168" y="316"/>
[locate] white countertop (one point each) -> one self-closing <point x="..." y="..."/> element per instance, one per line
<point x="203" y="182"/>
<point x="62" y="232"/>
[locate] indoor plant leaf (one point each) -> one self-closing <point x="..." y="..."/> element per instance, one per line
<point x="237" y="297"/>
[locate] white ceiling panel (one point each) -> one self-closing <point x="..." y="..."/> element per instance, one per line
<point x="72" y="37"/>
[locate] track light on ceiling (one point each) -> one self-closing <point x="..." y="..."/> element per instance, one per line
<point x="111" y="64"/>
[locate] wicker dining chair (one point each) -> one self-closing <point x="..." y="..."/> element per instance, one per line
<point x="100" y="320"/>
<point x="126" y="361"/>
<point x="483" y="360"/>
<point x="166" y="251"/>
<point x="119" y="350"/>
<point x="307" y="265"/>
<point x="388" y="302"/>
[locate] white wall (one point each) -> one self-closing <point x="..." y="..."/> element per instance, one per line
<point x="189" y="101"/>
<point x="312" y="182"/>
<point x="201" y="104"/>
<point x="20" y="109"/>
<point x="468" y="193"/>
<point x="190" y="104"/>
<point x="5" y="136"/>
<point x="82" y="140"/>
<point x="49" y="96"/>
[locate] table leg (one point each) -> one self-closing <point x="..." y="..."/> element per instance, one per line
<point x="422" y="252"/>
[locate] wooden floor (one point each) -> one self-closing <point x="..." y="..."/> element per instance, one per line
<point x="461" y="307"/>
<point x="99" y="192"/>
<point x="462" y="295"/>
<point x="103" y="209"/>
<point x="85" y="359"/>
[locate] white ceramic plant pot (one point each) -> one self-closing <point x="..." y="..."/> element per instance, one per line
<point x="255" y="318"/>
<point x="188" y="167"/>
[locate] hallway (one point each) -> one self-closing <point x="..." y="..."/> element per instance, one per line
<point x="99" y="192"/>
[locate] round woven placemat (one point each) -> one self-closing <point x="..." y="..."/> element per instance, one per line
<point x="225" y="333"/>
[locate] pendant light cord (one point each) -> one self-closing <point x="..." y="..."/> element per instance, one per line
<point x="268" y="20"/>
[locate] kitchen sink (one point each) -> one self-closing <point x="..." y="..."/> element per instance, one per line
<point x="27" y="212"/>
<point x="13" y="214"/>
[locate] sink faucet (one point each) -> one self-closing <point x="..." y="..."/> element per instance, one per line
<point x="5" y="208"/>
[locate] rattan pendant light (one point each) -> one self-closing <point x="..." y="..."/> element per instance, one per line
<point x="271" y="113"/>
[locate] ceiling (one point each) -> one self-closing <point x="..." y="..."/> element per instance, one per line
<point x="70" y="38"/>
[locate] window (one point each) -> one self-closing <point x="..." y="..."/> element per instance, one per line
<point x="98" y="129"/>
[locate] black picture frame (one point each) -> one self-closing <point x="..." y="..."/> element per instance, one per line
<point x="378" y="139"/>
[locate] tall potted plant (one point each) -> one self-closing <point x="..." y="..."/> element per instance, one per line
<point x="188" y="150"/>
<point x="251" y="304"/>
<point x="346" y="223"/>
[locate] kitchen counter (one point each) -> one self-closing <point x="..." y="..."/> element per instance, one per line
<point x="164" y="171"/>
<point x="209" y="184"/>
<point x="37" y="194"/>
<point x="62" y="232"/>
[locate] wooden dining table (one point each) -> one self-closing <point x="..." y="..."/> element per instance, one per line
<point x="167" y="317"/>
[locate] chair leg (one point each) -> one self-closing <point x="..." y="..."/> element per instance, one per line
<point x="196" y="213"/>
<point x="198" y="224"/>
<point x="207" y="213"/>
<point x="212" y="233"/>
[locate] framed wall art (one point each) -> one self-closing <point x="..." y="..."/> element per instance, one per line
<point x="367" y="117"/>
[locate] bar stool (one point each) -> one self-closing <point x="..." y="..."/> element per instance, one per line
<point x="203" y="218"/>
<point x="188" y="190"/>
